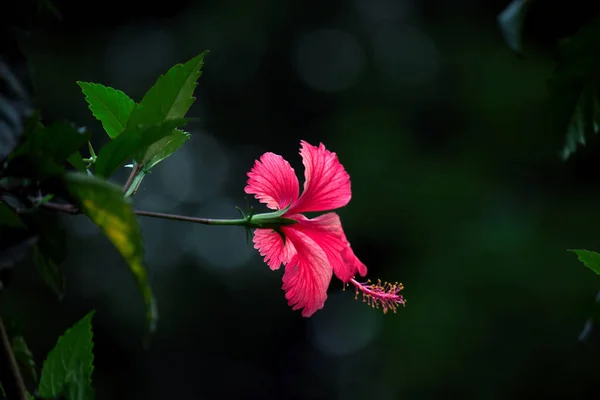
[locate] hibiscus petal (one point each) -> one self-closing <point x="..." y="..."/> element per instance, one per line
<point x="271" y="245"/>
<point x="353" y="262"/>
<point x="307" y="275"/>
<point x="326" y="230"/>
<point x="327" y="184"/>
<point x="273" y="181"/>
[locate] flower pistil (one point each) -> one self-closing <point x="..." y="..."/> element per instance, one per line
<point x="385" y="295"/>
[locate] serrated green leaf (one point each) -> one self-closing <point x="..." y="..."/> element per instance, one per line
<point x="573" y="107"/>
<point x="110" y="106"/>
<point x="104" y="204"/>
<point x="76" y="388"/>
<point x="24" y="358"/>
<point x="590" y="259"/>
<point x="68" y="368"/>
<point x="131" y="142"/>
<point x="171" y="96"/>
<point x="163" y="148"/>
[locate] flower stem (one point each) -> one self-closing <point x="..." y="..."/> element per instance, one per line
<point x="12" y="381"/>
<point x="70" y="209"/>
<point x="66" y="208"/>
<point x="135" y="171"/>
<point x="204" y="221"/>
<point x="135" y="185"/>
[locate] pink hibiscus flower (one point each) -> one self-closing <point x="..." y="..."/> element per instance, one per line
<point x="312" y="250"/>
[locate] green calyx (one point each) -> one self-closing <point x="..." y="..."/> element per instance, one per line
<point x="272" y="220"/>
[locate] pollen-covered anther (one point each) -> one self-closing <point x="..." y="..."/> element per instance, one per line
<point x="385" y="295"/>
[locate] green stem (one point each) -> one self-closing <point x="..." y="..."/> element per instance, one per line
<point x="135" y="184"/>
<point x="132" y="176"/>
<point x="204" y="221"/>
<point x="12" y="381"/>
<point x="70" y="209"/>
<point x="271" y="220"/>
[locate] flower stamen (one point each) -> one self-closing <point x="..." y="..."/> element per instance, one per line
<point x="381" y="294"/>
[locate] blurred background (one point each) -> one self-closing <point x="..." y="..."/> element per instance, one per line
<point x="458" y="192"/>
